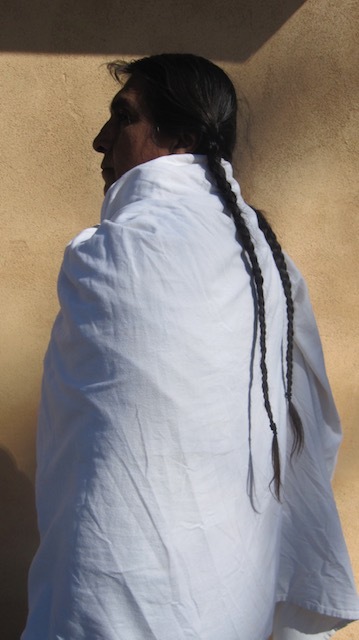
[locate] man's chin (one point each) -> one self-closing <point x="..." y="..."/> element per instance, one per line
<point x="109" y="178"/>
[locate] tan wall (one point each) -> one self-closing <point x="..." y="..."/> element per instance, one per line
<point x="298" y="71"/>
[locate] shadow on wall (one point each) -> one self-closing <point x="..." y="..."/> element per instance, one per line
<point x="18" y="543"/>
<point x="223" y="30"/>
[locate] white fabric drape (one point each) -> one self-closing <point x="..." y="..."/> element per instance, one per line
<point x="154" y="450"/>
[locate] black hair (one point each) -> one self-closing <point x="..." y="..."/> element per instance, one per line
<point x="185" y="93"/>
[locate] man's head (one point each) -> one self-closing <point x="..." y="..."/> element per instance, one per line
<point x="171" y="103"/>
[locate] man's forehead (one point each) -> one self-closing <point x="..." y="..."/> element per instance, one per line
<point x="131" y="96"/>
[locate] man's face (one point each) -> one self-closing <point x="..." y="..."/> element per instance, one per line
<point x="129" y="138"/>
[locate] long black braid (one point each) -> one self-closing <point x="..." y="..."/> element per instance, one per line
<point x="219" y="175"/>
<point x="297" y="427"/>
<point x="187" y="94"/>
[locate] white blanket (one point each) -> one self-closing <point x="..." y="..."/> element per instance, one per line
<point x="154" y="464"/>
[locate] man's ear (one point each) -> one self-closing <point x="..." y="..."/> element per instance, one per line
<point x="185" y="143"/>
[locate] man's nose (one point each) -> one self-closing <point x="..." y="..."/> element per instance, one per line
<point x="103" y="141"/>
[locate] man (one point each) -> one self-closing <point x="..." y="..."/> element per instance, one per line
<point x="167" y="508"/>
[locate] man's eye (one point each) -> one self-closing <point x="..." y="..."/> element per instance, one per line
<point x="123" y="117"/>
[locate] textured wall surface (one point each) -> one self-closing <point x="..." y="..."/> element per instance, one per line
<point x="297" y="66"/>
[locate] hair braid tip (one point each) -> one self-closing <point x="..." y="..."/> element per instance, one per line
<point x="276" y="480"/>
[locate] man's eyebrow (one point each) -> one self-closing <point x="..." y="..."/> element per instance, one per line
<point x="120" y="101"/>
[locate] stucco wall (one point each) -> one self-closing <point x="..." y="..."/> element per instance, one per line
<point x="297" y="69"/>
